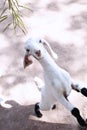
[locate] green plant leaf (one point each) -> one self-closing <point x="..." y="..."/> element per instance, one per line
<point x="2" y="18"/>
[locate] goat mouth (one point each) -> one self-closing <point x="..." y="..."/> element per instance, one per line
<point x="27" y="61"/>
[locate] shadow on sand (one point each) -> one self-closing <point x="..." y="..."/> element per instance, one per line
<point x="17" y="118"/>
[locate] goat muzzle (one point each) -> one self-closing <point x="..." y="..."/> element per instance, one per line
<point x="27" y="61"/>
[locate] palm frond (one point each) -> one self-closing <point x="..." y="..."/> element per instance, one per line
<point x="14" y="11"/>
<point x="2" y="18"/>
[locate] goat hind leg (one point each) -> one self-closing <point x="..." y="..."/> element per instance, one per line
<point x="74" y="111"/>
<point x="84" y="91"/>
<point x="79" y="88"/>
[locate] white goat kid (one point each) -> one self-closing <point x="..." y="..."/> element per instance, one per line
<point x="58" y="83"/>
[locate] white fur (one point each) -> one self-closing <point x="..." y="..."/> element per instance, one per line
<point x="58" y="83"/>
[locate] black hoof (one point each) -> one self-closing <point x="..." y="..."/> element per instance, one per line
<point x="84" y="91"/>
<point x="75" y="112"/>
<point x="37" y="110"/>
<point x="82" y="123"/>
<point x="54" y="107"/>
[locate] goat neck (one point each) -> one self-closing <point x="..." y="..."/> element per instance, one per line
<point x="48" y="62"/>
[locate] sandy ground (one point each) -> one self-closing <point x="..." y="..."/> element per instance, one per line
<point x="64" y="25"/>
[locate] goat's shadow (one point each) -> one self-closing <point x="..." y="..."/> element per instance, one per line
<point x="17" y="118"/>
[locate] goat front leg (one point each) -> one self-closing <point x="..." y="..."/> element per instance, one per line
<point x="74" y="111"/>
<point x="79" y="88"/>
<point x="54" y="107"/>
<point x="37" y="110"/>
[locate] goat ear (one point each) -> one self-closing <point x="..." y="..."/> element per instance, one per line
<point x="54" y="55"/>
<point x="38" y="53"/>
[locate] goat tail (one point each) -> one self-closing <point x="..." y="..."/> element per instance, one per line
<point x="39" y="83"/>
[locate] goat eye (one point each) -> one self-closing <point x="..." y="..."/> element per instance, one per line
<point x="27" y="50"/>
<point x="40" y="41"/>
